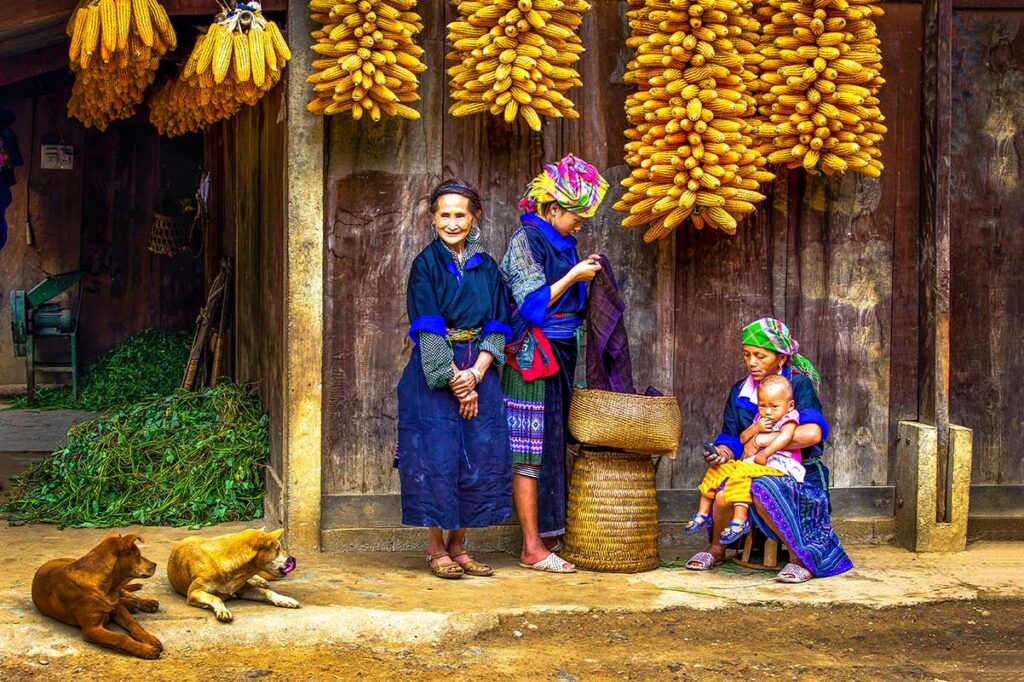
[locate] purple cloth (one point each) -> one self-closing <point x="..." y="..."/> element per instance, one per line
<point x="609" y="367"/>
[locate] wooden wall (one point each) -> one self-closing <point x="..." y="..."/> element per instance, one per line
<point x="987" y="239"/>
<point x="53" y="200"/>
<point x="836" y="258"/>
<point x="97" y="217"/>
<point x="247" y="159"/>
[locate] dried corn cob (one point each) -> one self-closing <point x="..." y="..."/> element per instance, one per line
<point x="369" y="58"/>
<point x="820" y="80"/>
<point x="113" y="61"/>
<point x="233" y="64"/>
<point x="515" y="58"/>
<point x="689" y="141"/>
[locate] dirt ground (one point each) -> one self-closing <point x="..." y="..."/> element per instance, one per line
<point x="967" y="640"/>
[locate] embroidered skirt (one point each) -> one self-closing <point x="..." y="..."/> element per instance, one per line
<point x="454" y="473"/>
<point x="801" y="514"/>
<point x="537" y="417"/>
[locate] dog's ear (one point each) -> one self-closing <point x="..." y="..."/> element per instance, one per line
<point x="276" y="534"/>
<point x="126" y="541"/>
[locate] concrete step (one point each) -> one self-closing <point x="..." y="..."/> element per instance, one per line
<point x="37" y="430"/>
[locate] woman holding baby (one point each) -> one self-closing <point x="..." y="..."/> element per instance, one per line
<point x="765" y="467"/>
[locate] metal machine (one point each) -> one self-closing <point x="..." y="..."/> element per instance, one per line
<point x="33" y="317"/>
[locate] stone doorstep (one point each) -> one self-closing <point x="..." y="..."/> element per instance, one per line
<point x="505" y="538"/>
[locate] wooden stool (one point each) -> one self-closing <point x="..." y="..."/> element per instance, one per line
<point x="770" y="554"/>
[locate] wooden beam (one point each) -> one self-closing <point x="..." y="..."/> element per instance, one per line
<point x="188" y="7"/>
<point x="31" y="64"/>
<point x="934" y="312"/>
<point x="37" y="11"/>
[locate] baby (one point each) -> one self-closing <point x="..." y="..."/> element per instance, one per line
<point x="764" y="454"/>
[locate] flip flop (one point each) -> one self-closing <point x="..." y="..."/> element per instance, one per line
<point x="792" y="573"/>
<point x="471" y="566"/>
<point x="705" y="561"/>
<point x="552" y="563"/>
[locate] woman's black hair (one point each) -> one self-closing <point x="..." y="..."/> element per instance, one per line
<point x="7" y="118"/>
<point x="453" y="186"/>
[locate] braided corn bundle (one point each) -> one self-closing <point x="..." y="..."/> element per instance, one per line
<point x="369" y="58"/>
<point x="237" y="60"/>
<point x="115" y="49"/>
<point x="690" y="142"/>
<point x="515" y="58"/>
<point x="820" y="82"/>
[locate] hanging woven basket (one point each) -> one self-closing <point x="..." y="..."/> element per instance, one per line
<point x="171" y="234"/>
<point x="612" y="517"/>
<point x="626" y="421"/>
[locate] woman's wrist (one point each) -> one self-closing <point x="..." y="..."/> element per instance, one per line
<point x="478" y="376"/>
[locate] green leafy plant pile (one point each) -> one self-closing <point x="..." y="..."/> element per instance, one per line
<point x="186" y="459"/>
<point x="143" y="366"/>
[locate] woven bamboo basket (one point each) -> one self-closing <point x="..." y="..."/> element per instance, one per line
<point x="625" y="421"/>
<point x="170" y="234"/>
<point x="612" y="518"/>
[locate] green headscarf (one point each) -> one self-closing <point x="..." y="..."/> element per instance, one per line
<point x="773" y="335"/>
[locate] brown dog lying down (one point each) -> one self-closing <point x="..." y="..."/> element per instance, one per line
<point x="93" y="590"/>
<point x="210" y="570"/>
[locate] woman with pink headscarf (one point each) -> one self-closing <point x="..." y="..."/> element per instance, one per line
<point x="548" y="283"/>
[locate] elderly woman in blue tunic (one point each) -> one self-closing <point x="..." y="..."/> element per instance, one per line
<point x="453" y="456"/>
<point x="796" y="514"/>
<point x="547" y="280"/>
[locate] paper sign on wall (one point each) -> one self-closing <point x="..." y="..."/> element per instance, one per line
<point x="58" y="157"/>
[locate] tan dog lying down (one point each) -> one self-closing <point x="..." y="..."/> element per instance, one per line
<point x="91" y="591"/>
<point x="210" y="570"/>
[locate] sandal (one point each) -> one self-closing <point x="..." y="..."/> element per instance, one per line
<point x="702" y="561"/>
<point x="449" y="571"/>
<point x="471" y="566"/>
<point x="792" y="573"/>
<point x="734" y="531"/>
<point x="552" y="563"/>
<point x="698" y="522"/>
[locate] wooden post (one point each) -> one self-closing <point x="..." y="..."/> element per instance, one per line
<point x="933" y="349"/>
<point x="304" y="280"/>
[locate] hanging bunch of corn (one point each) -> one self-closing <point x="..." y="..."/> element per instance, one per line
<point x="690" y="136"/>
<point x="116" y="46"/>
<point x="821" y="77"/>
<point x="233" y="64"/>
<point x="515" y="57"/>
<point x="369" y="58"/>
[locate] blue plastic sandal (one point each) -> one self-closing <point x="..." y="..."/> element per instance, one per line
<point x="698" y="522"/>
<point x="734" y="531"/>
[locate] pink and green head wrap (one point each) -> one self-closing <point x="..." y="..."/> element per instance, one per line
<point x="572" y="183"/>
<point x="773" y="335"/>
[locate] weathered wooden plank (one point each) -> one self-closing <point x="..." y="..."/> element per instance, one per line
<point x="33" y="63"/>
<point x="645" y="272"/>
<point x="17" y="16"/>
<point x="185" y="7"/>
<point x="722" y="283"/>
<point x="933" y="340"/>
<point x="247" y="158"/>
<point x="987" y="242"/>
<point x="900" y="37"/>
<point x="377" y="180"/>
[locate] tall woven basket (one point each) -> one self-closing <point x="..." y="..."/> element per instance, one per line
<point x="612" y="518"/>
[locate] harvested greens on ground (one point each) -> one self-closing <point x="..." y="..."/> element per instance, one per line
<point x="146" y="365"/>
<point x="187" y="459"/>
